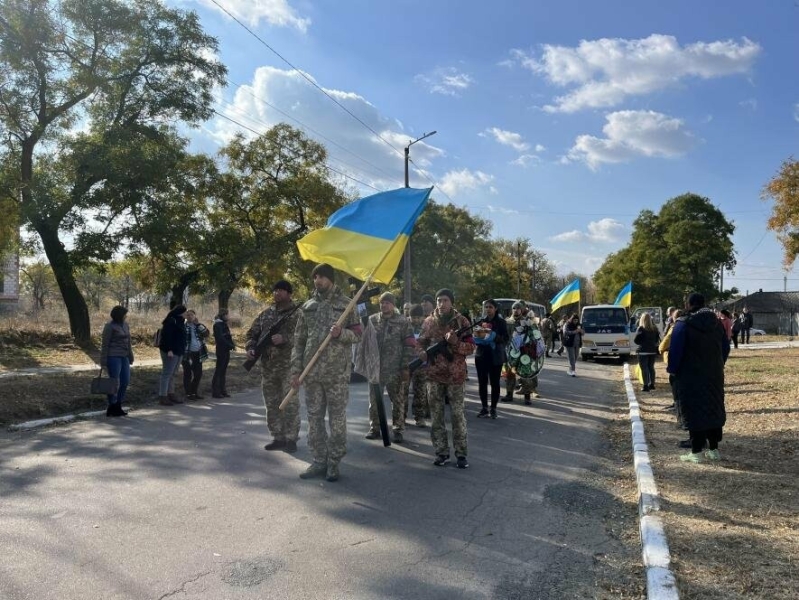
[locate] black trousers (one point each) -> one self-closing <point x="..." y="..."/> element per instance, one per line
<point x="711" y="436"/>
<point x="735" y="338"/>
<point x="192" y="372"/>
<point x="745" y="335"/>
<point x="218" y="386"/>
<point x="487" y="372"/>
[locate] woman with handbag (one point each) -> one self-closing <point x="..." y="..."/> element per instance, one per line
<point x="116" y="356"/>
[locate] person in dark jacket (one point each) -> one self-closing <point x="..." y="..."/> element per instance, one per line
<point x="736" y="328"/>
<point x="172" y="346"/>
<point x="747" y="322"/>
<point x="224" y="345"/>
<point x="647" y="337"/>
<point x="116" y="355"/>
<point x="699" y="347"/>
<point x="572" y="336"/>
<point x="195" y="354"/>
<point x="491" y="336"/>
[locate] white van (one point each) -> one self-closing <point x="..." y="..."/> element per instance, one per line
<point x="655" y="311"/>
<point x="506" y="307"/>
<point x="607" y="331"/>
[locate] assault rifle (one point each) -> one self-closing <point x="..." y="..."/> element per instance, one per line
<point x="266" y="340"/>
<point x="441" y="347"/>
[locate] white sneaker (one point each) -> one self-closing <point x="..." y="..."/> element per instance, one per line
<point x="569" y="372"/>
<point x="574" y="373"/>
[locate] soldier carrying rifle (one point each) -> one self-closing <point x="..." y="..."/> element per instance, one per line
<point x="446" y="375"/>
<point x="274" y="348"/>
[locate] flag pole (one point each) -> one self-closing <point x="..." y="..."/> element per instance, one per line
<point x="341" y="320"/>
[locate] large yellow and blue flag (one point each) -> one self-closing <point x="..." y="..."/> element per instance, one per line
<point x="367" y="237"/>
<point x="625" y="297"/>
<point x="568" y="295"/>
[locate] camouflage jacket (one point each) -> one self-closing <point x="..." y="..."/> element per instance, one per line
<point x="316" y="317"/>
<point x="278" y="356"/>
<point x="442" y="370"/>
<point x="396" y="342"/>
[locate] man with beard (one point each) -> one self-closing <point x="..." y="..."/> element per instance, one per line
<point x="327" y="384"/>
<point x="446" y="375"/>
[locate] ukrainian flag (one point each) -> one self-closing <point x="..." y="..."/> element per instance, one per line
<point x="568" y="295"/>
<point x="625" y="297"/>
<point x="367" y="237"/>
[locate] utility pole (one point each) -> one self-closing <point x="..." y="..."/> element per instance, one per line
<point x="721" y="281"/>
<point x="406" y="257"/>
<point x="519" y="270"/>
<point x="532" y="282"/>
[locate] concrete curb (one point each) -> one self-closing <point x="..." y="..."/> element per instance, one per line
<point x="660" y="581"/>
<point x="28" y="425"/>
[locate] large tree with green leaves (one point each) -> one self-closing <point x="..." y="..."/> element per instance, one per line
<point x="783" y="189"/>
<point x="120" y="73"/>
<point x="680" y="249"/>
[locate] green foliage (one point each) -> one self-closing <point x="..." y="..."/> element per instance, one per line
<point x="679" y="250"/>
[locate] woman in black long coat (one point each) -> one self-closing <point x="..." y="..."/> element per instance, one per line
<point x="224" y="345"/>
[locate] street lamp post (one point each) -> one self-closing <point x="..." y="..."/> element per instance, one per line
<point x="406" y="257"/>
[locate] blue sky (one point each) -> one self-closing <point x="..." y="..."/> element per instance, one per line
<point x="558" y="121"/>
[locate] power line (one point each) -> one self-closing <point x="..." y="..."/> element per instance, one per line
<point x="328" y="167"/>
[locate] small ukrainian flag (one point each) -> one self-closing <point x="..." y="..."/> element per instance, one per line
<point x="367" y="237"/>
<point x="625" y="297"/>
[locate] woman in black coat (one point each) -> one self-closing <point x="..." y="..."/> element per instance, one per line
<point x="648" y="338"/>
<point x="491" y="336"/>
<point x="172" y="346"/>
<point x="224" y="345"/>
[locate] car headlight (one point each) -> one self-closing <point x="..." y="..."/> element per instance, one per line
<point x="622" y="343"/>
<point x="588" y="342"/>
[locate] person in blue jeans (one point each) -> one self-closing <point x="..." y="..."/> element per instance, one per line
<point x="172" y="346"/>
<point x="116" y="356"/>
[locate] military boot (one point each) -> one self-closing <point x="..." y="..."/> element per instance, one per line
<point x="527" y="400"/>
<point x="332" y="472"/>
<point x="315" y="470"/>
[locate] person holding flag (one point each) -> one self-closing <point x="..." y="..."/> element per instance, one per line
<point x="365" y="239"/>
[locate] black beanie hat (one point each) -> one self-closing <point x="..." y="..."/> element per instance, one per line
<point x="428" y="298"/>
<point x="283" y="285"/>
<point x="324" y="270"/>
<point x="445" y="292"/>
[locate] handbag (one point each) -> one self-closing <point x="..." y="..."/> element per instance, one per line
<point x="104" y="385"/>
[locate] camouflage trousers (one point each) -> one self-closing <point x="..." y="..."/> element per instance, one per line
<point x="328" y="397"/>
<point x="283" y="425"/>
<point x="436" y="395"/>
<point x="529" y="384"/>
<point x="549" y="342"/>
<point x="397" y="393"/>
<point x="418" y="385"/>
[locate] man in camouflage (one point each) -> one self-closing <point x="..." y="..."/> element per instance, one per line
<point x="446" y="375"/>
<point x="519" y="322"/>
<point x="327" y="384"/>
<point x="547" y="327"/>
<point x="275" y="362"/>
<point x="418" y="383"/>
<point x="396" y="344"/>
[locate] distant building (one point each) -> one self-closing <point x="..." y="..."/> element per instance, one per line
<point x="774" y="312"/>
<point x="9" y="280"/>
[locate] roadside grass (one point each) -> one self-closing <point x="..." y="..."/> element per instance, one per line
<point x="733" y="526"/>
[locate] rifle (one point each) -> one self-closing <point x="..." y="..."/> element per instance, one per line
<point x="441" y="347"/>
<point x="266" y="340"/>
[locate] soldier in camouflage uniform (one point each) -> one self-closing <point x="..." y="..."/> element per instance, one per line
<point x="446" y="376"/>
<point x="275" y="372"/>
<point x="396" y="344"/>
<point x="527" y="386"/>
<point x="327" y="384"/>
<point x="418" y="383"/>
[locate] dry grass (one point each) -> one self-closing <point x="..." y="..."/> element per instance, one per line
<point x="733" y="527"/>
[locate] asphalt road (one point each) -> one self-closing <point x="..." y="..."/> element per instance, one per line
<point x="184" y="503"/>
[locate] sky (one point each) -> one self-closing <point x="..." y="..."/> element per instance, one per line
<point x="557" y="121"/>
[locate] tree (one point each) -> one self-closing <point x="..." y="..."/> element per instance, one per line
<point x="126" y="71"/>
<point x="783" y="189"/>
<point x="39" y="282"/>
<point x="679" y="250"/>
<point x="269" y="192"/>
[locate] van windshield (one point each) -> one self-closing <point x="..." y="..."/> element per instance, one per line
<point x="605" y="320"/>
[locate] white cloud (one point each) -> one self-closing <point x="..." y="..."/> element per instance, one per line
<point x="605" y="72"/>
<point x="750" y="103"/>
<point x="501" y="210"/>
<point x="525" y="160"/>
<point x="796" y="111"/>
<point x="507" y="138"/>
<point x="447" y="81"/>
<point x="630" y="134"/>
<point x="603" y="231"/>
<point x="455" y="182"/>
<point x="275" y="12"/>
<point x="277" y="95"/>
